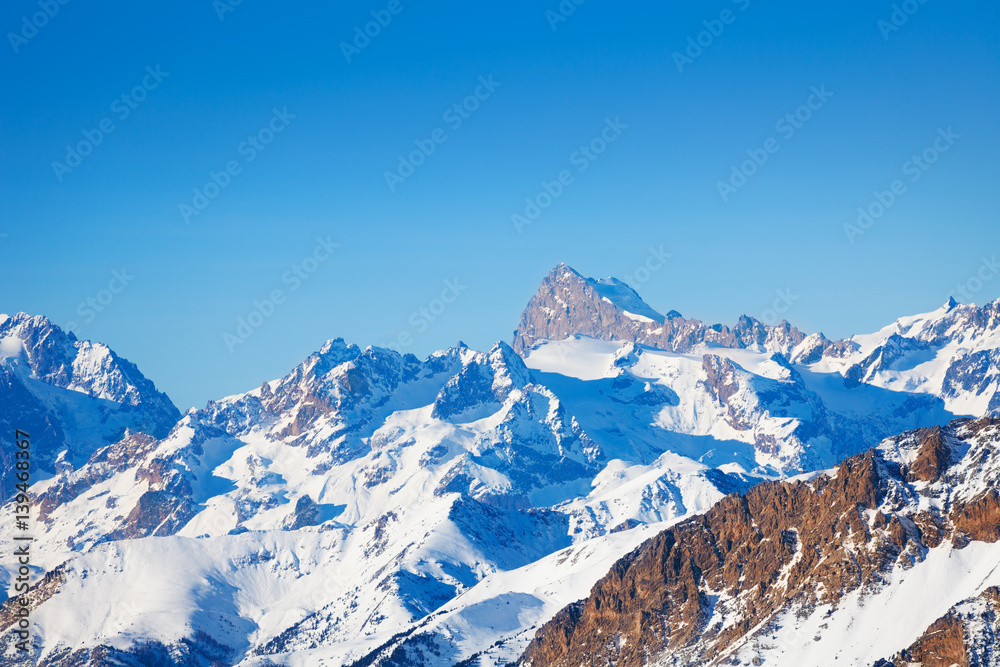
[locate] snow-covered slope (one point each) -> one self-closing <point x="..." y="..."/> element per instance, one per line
<point x="740" y="410"/>
<point x="847" y="567"/>
<point x="377" y="509"/>
<point x="952" y="352"/>
<point x="382" y="485"/>
<point x="72" y="396"/>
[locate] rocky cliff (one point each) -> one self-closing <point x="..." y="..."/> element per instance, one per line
<point x="567" y="303"/>
<point x="725" y="587"/>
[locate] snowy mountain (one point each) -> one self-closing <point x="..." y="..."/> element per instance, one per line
<point x="869" y="563"/>
<point x="73" y="396"/>
<point x="607" y="309"/>
<point x="743" y="411"/>
<point x="372" y="508"/>
<point x="952" y="352"/>
<point x="326" y="511"/>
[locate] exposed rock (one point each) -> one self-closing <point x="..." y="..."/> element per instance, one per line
<point x="568" y="304"/>
<point x="933" y="457"/>
<point x="808" y="543"/>
<point x="64" y="392"/>
<point x="966" y="636"/>
<point x="980" y="517"/>
<point x="307" y="513"/>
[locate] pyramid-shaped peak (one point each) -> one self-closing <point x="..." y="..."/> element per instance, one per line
<point x="564" y="272"/>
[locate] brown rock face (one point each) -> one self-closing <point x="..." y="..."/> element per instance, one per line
<point x="943" y="645"/>
<point x="934" y="455"/>
<point x="750" y="556"/>
<point x="980" y="518"/>
<point x="659" y="596"/>
<point x="568" y="304"/>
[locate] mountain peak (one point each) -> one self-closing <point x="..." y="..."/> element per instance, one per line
<point x="608" y="309"/>
<point x="563" y="272"/>
<point x="79" y="395"/>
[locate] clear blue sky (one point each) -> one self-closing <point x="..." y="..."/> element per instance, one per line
<point x="323" y="174"/>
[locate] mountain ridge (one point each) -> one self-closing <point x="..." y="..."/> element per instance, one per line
<point x="776" y="550"/>
<point x="457" y="486"/>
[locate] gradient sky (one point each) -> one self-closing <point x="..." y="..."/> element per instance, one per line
<point x="323" y="175"/>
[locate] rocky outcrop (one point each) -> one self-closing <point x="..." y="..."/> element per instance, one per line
<point x="979" y="518"/>
<point x="72" y="396"/>
<point x="102" y="465"/>
<point x="713" y="581"/>
<point x="567" y="303"/>
<point x="967" y="636"/>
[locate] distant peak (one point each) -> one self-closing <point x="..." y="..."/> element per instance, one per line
<point x="950" y="303"/>
<point x="39" y="321"/>
<point x="333" y="344"/>
<point x="564" y="271"/>
<point x="25" y="325"/>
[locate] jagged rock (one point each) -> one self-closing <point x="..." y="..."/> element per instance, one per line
<point x="784" y="543"/>
<point x="568" y="304"/>
<point x="61" y="390"/>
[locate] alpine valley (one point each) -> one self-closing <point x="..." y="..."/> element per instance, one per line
<point x="614" y="487"/>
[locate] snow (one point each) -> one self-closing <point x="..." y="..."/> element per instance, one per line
<point x="861" y="629"/>
<point x="10" y="346"/>
<point x="625" y="299"/>
<point x="506" y="606"/>
<point x="948" y="334"/>
<point x="690" y="421"/>
<point x="421" y="524"/>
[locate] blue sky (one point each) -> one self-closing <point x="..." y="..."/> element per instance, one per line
<point x="206" y="89"/>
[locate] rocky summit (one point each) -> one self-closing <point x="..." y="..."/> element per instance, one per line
<point x="614" y="487"/>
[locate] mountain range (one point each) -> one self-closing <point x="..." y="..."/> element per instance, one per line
<point x="614" y="485"/>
